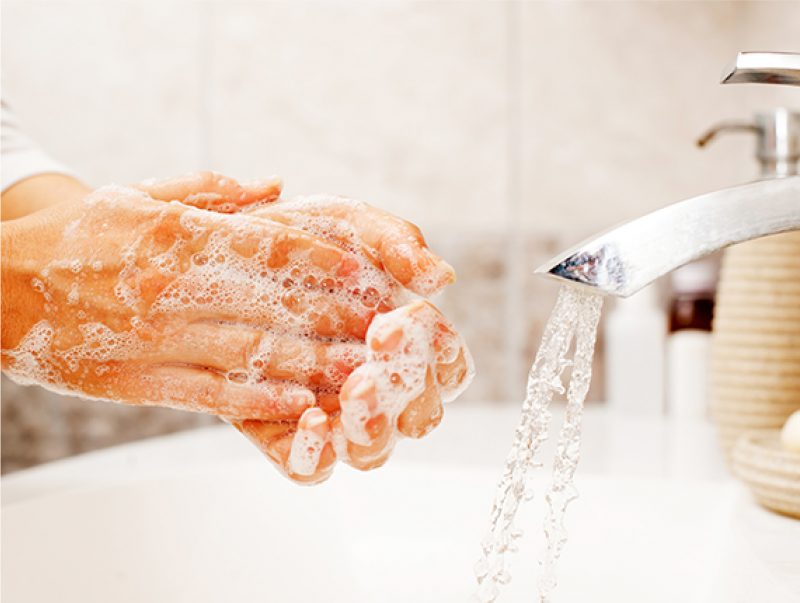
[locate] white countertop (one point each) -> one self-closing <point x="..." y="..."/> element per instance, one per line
<point x="471" y="434"/>
<point x="657" y="499"/>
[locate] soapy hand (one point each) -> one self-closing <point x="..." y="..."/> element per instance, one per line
<point x="283" y="318"/>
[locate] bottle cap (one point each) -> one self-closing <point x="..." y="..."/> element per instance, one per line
<point x="697" y="277"/>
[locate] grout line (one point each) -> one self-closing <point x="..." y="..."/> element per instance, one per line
<point x="205" y="41"/>
<point x="514" y="323"/>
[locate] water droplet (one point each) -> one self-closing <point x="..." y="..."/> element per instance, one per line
<point x="481" y="567"/>
<point x="371" y="297"/>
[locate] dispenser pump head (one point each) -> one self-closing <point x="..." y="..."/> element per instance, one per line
<point x="777" y="140"/>
<point x="778" y="130"/>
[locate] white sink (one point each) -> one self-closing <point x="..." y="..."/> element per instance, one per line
<point x="123" y="528"/>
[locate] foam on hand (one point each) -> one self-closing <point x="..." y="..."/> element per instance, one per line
<point x="308" y="442"/>
<point x="334" y="218"/>
<point x="403" y="346"/>
<point x="132" y="277"/>
<point x="181" y="265"/>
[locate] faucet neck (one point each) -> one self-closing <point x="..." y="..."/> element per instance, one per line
<point x="777" y="140"/>
<point x="778" y="146"/>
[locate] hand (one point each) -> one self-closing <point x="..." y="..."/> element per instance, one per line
<point x="413" y="358"/>
<point x="414" y="361"/>
<point x="126" y="298"/>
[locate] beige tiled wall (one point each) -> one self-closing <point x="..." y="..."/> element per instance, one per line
<point x="506" y="130"/>
<point x="402" y="104"/>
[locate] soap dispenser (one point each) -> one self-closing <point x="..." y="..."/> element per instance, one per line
<point x="688" y="355"/>
<point x="635" y="328"/>
<point x="755" y="342"/>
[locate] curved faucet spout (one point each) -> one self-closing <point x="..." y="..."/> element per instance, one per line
<point x="623" y="260"/>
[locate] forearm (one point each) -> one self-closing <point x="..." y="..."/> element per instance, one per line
<point x="19" y="298"/>
<point x="39" y="192"/>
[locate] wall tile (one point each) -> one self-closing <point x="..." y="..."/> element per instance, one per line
<point x="615" y="95"/>
<point x="475" y="305"/>
<point x="39" y="426"/>
<point x="408" y="105"/>
<point x="110" y="89"/>
<point x="401" y="104"/>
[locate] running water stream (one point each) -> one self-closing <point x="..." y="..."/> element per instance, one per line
<point x="574" y="319"/>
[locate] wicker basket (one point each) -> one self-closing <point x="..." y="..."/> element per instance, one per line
<point x="772" y="473"/>
<point x="755" y="375"/>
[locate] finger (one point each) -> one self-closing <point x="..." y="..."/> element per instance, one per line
<point x="454" y="377"/>
<point x="413" y="353"/>
<point x="209" y="190"/>
<point x="453" y="362"/>
<point x="204" y="391"/>
<point x="311" y="437"/>
<point x="277" y="441"/>
<point x="276" y="275"/>
<point x="400" y="356"/>
<point x="396" y="244"/>
<point x="368" y="430"/>
<point x="246" y="354"/>
<point x="423" y="413"/>
<point x="261" y="306"/>
<point x="374" y="454"/>
<point x="358" y="400"/>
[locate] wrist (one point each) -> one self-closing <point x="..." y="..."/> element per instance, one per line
<point x="40" y="192"/>
<point x="22" y="305"/>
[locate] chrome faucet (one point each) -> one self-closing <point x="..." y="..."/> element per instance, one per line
<point x="623" y="260"/>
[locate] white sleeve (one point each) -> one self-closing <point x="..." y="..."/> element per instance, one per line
<point x="20" y="158"/>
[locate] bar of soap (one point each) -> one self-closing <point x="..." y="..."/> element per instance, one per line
<point x="790" y="434"/>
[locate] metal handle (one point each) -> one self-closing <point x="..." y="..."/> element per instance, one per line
<point x="726" y="126"/>
<point x="764" y="68"/>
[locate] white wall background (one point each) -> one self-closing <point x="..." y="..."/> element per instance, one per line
<point x="504" y="129"/>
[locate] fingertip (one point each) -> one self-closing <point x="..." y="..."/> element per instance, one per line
<point x="369" y="463"/>
<point x="386" y="340"/>
<point x="264" y="435"/>
<point x="417" y="268"/>
<point x="454" y="377"/>
<point x="308" y="443"/>
<point x="327" y="462"/>
<point x="267" y="189"/>
<point x="424" y="413"/>
<point x="297" y="399"/>
<point x="447" y="273"/>
<point x="278" y="450"/>
<point x="359" y="404"/>
<point x="314" y="419"/>
<point x="377" y="451"/>
<point x="435" y="274"/>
